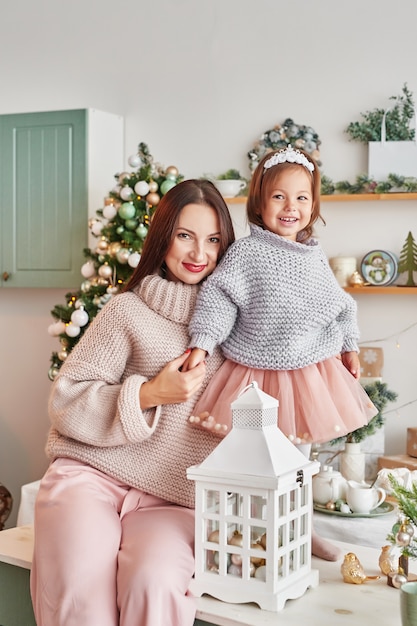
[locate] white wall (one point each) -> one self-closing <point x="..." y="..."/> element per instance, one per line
<point x="199" y="82"/>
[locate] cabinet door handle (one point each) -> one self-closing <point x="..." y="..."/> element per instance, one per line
<point x="5" y="276"/>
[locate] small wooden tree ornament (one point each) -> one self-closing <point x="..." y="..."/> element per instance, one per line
<point x="253" y="516"/>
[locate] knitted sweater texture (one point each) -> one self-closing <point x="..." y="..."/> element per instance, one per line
<point x="273" y="303"/>
<point x="94" y="403"/>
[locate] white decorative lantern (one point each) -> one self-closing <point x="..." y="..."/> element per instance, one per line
<point x="254" y="507"/>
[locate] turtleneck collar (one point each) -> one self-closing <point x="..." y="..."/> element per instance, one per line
<point x="282" y="242"/>
<point x="174" y="301"/>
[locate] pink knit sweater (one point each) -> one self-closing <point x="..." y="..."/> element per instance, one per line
<point x="94" y="403"/>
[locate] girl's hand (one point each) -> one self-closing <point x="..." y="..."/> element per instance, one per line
<point x="197" y="356"/>
<point x="171" y="385"/>
<point x="351" y="361"/>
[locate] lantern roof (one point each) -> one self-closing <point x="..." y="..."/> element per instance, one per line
<point x="255" y="446"/>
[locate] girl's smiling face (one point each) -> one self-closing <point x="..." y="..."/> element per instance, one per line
<point x="195" y="246"/>
<point x="289" y="203"/>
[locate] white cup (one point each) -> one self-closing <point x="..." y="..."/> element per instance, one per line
<point x="362" y="498"/>
<point x="229" y="188"/>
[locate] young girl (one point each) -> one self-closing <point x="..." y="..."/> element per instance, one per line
<point x="281" y="318"/>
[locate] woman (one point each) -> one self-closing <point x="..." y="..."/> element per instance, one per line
<point x="114" y="519"/>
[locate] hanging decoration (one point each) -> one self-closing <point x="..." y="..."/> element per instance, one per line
<point x="281" y="136"/>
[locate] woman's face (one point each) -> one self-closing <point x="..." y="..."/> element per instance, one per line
<point x="195" y="245"/>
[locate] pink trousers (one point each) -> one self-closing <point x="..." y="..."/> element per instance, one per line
<point x="109" y="555"/>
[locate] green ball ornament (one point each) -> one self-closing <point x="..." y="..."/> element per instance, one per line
<point x="131" y="224"/>
<point x="171" y="177"/>
<point x="167" y="185"/>
<point x="127" y="211"/>
<point x="120" y="230"/>
<point x="142" y="231"/>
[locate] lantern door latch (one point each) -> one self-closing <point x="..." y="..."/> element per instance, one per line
<point x="300" y="477"/>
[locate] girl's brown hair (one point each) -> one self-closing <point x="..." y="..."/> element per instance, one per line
<point x="165" y="220"/>
<point x="262" y="182"/>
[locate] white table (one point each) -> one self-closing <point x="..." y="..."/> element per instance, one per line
<point x="333" y="602"/>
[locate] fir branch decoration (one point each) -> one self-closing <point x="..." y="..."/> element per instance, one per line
<point x="407" y="504"/>
<point x="364" y="184"/>
<point x="380" y="395"/>
<point x="397" y="121"/>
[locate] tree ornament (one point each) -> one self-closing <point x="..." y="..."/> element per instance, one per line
<point x="102" y="246"/>
<point x="133" y="259"/>
<point x="123" y="255"/>
<point x="62" y="354"/>
<point x="126" y="193"/>
<point x="114" y="247"/>
<point x="398" y="579"/>
<point x="167" y="185"/>
<point x="142" y="188"/>
<point x="96" y="227"/>
<point x="172" y="170"/>
<point x="72" y="330"/>
<point x="79" y="317"/>
<point x="402" y="538"/>
<point x="127" y="210"/>
<point x="131" y="224"/>
<point x="56" y="329"/>
<point x="53" y="372"/>
<point x="85" y="286"/>
<point x="122" y="180"/>
<point x="142" y="231"/>
<point x="109" y="211"/>
<point x="134" y="160"/>
<point x="153" y="198"/>
<point x="153" y="186"/>
<point x="88" y="269"/>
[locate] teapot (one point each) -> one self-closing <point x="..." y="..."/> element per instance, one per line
<point x="328" y="486"/>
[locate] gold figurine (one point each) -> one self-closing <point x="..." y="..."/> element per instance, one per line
<point x="352" y="570"/>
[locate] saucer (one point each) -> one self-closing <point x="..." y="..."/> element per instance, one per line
<point x="382" y="509"/>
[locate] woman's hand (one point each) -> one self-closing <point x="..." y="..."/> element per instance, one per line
<point x="351" y="361"/>
<point x="171" y="385"/>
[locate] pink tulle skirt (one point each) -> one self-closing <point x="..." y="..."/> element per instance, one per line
<point x="317" y="403"/>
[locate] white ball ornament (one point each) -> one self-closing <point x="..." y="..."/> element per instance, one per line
<point x="79" y="317"/>
<point x="105" y="271"/>
<point x="134" y="160"/>
<point x="109" y="212"/>
<point x="133" y="260"/>
<point x="96" y="227"/>
<point x="126" y="193"/>
<point x="56" y="329"/>
<point x="72" y="330"/>
<point x="142" y="188"/>
<point x="88" y="270"/>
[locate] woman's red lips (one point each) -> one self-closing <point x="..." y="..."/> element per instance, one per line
<point x="194" y="268"/>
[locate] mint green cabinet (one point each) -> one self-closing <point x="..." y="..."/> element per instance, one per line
<point x="50" y="165"/>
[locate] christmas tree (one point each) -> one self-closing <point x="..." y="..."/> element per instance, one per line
<point x="408" y="260"/>
<point x="120" y="228"/>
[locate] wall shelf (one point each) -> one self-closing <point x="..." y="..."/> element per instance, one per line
<point x="347" y="197"/>
<point x="389" y="289"/>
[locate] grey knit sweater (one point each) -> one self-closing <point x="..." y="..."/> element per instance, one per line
<point x="274" y="304"/>
<point x="94" y="402"/>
